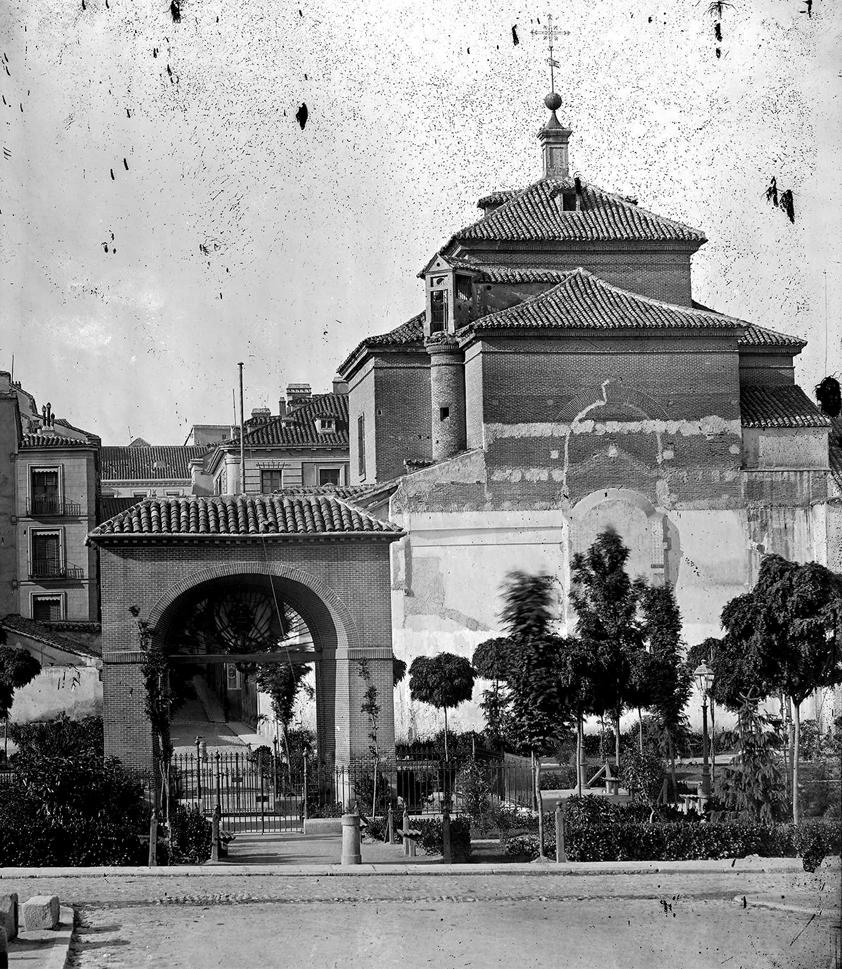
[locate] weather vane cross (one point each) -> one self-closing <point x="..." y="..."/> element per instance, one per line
<point x="551" y="33"/>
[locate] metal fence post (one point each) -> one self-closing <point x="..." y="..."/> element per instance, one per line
<point x="306" y="792"/>
<point x="262" y="802"/>
<point x="218" y="780"/>
<point x="390" y="822"/>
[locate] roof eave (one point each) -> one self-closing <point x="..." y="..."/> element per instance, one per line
<point x="156" y="537"/>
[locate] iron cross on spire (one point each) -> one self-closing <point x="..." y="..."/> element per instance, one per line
<point x="550" y="33"/>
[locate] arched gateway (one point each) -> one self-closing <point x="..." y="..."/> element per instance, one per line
<point x="216" y="578"/>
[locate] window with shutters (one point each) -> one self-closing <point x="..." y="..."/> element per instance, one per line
<point x="44" y="490"/>
<point x="47" y="608"/>
<point x="46" y="555"/>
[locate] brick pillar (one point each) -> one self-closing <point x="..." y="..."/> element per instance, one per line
<point x="128" y="733"/>
<point x="447" y="397"/>
<point x="351" y="724"/>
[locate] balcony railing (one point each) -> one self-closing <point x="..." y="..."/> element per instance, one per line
<point x="50" y="569"/>
<point x="51" y="506"/>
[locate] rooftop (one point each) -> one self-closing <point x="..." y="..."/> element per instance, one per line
<point x="299" y="428"/>
<point x="536" y="213"/>
<point x="294" y="513"/>
<point x="785" y="405"/>
<point x="583" y="301"/>
<point x="148" y="462"/>
<point x="42" y="633"/>
<point x="53" y="441"/>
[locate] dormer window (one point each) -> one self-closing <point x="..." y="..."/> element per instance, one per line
<point x="326" y="425"/>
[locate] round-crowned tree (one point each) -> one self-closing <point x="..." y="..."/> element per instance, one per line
<point x="443" y="681"/>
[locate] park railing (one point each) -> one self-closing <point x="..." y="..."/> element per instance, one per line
<point x="260" y="790"/>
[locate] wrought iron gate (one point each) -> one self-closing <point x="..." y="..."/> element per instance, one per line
<point x="256" y="791"/>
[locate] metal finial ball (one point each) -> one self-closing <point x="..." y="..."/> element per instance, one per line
<point x="553" y="101"/>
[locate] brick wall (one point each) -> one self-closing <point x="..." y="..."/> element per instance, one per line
<point x="659" y="273"/>
<point x="392" y="391"/>
<point x="552" y="379"/>
<point x="361" y="404"/>
<point x="341" y="587"/>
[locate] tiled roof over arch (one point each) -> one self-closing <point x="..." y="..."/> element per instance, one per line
<point x="295" y="514"/>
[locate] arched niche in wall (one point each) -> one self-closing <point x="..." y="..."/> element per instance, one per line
<point x="652" y="539"/>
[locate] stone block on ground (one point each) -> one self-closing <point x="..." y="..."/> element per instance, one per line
<point x="9" y="914"/>
<point x="40" y="912"/>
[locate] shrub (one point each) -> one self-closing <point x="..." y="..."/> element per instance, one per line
<point x="686" y="841"/>
<point x="190" y="838"/>
<point x="79" y="811"/>
<point x="61" y="737"/>
<point x="431" y="840"/>
<point x="563" y="778"/>
<point x="814" y="839"/>
<point x="68" y="804"/>
<point x="473" y="786"/>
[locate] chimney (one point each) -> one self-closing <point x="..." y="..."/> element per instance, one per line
<point x="260" y="415"/>
<point x="298" y="394"/>
<point x="554" y="138"/>
<point x="340" y="386"/>
<point x="282" y="407"/>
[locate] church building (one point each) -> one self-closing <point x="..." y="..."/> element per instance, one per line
<point x="561" y="378"/>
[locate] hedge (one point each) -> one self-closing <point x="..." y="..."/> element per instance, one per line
<point x="686" y="841"/>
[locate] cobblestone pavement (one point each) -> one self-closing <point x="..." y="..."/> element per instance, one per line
<point x="683" y="921"/>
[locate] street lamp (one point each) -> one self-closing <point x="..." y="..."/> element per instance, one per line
<point x="703" y="676"/>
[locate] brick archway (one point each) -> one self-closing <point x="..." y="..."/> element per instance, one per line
<point x="331" y="560"/>
<point x="345" y="630"/>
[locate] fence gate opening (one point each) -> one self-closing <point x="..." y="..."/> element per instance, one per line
<point x="256" y="791"/>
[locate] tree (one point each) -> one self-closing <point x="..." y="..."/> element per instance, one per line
<point x="606" y="603"/>
<point x="537" y="675"/>
<point x="398" y="670"/>
<point x="785" y="635"/>
<point x="491" y="661"/>
<point x="663" y="681"/>
<point x="17" y="668"/>
<point x="799" y="608"/>
<point x="282" y="683"/>
<point x="443" y="681"/>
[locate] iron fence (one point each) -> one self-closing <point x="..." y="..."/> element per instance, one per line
<point x="260" y="791"/>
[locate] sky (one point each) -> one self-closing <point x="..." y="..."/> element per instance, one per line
<point x="163" y="215"/>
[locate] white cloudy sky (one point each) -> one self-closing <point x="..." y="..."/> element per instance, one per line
<point x="313" y="238"/>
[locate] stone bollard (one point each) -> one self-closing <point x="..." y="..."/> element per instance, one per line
<point x="560" y="850"/>
<point x="40" y="912"/>
<point x="153" y="840"/>
<point x="9" y="915"/>
<point x="4" y="949"/>
<point x="351" y="839"/>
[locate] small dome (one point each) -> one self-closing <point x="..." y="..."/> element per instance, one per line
<point x="553" y="101"/>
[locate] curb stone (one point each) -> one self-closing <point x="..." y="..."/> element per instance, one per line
<point x="571" y="869"/>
